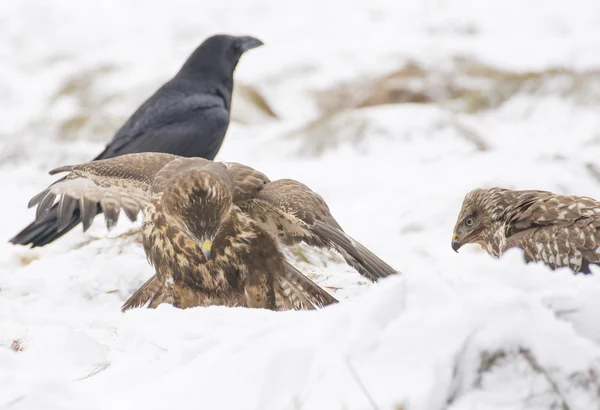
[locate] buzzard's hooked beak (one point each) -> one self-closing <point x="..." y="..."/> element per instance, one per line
<point x="206" y="247"/>
<point x="455" y="244"/>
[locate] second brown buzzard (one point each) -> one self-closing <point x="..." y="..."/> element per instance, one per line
<point x="558" y="230"/>
<point x="212" y="230"/>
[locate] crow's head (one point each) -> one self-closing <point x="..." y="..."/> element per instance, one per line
<point x="218" y="56"/>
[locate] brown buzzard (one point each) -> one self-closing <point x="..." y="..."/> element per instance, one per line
<point x="210" y="229"/>
<point x="556" y="229"/>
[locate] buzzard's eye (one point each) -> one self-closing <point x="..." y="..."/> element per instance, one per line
<point x="469" y="221"/>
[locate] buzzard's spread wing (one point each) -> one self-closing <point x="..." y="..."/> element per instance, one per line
<point x="292" y="211"/>
<point x="127" y="182"/>
<point x="114" y="184"/>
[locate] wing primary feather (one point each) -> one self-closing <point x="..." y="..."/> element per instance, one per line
<point x="111" y="212"/>
<point x="131" y="208"/>
<point x="37" y="198"/>
<point x="66" y="207"/>
<point x="88" y="210"/>
<point x="373" y="261"/>
<point x="44" y="206"/>
<point x="112" y="217"/>
<point x="357" y="255"/>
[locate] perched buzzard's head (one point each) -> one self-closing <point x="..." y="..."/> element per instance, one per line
<point x="201" y="203"/>
<point x="473" y="219"/>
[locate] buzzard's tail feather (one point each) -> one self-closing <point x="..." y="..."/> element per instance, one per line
<point x="356" y="255"/>
<point x="303" y="292"/>
<point x="152" y="291"/>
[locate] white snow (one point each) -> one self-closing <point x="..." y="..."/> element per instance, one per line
<point x="457" y="332"/>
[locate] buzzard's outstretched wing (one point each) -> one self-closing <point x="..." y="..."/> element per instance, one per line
<point x="127" y="182"/>
<point x="292" y="211"/>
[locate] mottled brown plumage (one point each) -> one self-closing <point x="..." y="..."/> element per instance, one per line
<point x="211" y="229"/>
<point x="559" y="230"/>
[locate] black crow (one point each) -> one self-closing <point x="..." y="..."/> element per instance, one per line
<point x="187" y="116"/>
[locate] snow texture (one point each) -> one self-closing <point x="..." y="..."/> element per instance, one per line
<point x="456" y="332"/>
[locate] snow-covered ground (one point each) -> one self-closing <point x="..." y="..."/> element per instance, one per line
<point x="511" y="98"/>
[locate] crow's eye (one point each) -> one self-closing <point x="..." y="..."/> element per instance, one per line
<point x="469" y="221"/>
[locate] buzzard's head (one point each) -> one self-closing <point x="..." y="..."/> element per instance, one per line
<point x="473" y="219"/>
<point x="202" y="204"/>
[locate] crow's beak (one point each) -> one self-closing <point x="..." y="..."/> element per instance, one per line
<point x="247" y="43"/>
<point x="455" y="244"/>
<point x="206" y="247"/>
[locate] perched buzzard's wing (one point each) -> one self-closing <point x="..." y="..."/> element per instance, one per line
<point x="122" y="182"/>
<point x="296" y="291"/>
<point x="546" y="209"/>
<point x="521" y="208"/>
<point x="292" y="211"/>
<point x="560" y="231"/>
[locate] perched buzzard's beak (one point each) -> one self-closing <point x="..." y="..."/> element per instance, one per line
<point x="206" y="247"/>
<point x="455" y="244"/>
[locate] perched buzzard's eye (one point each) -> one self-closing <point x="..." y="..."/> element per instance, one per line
<point x="469" y="221"/>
